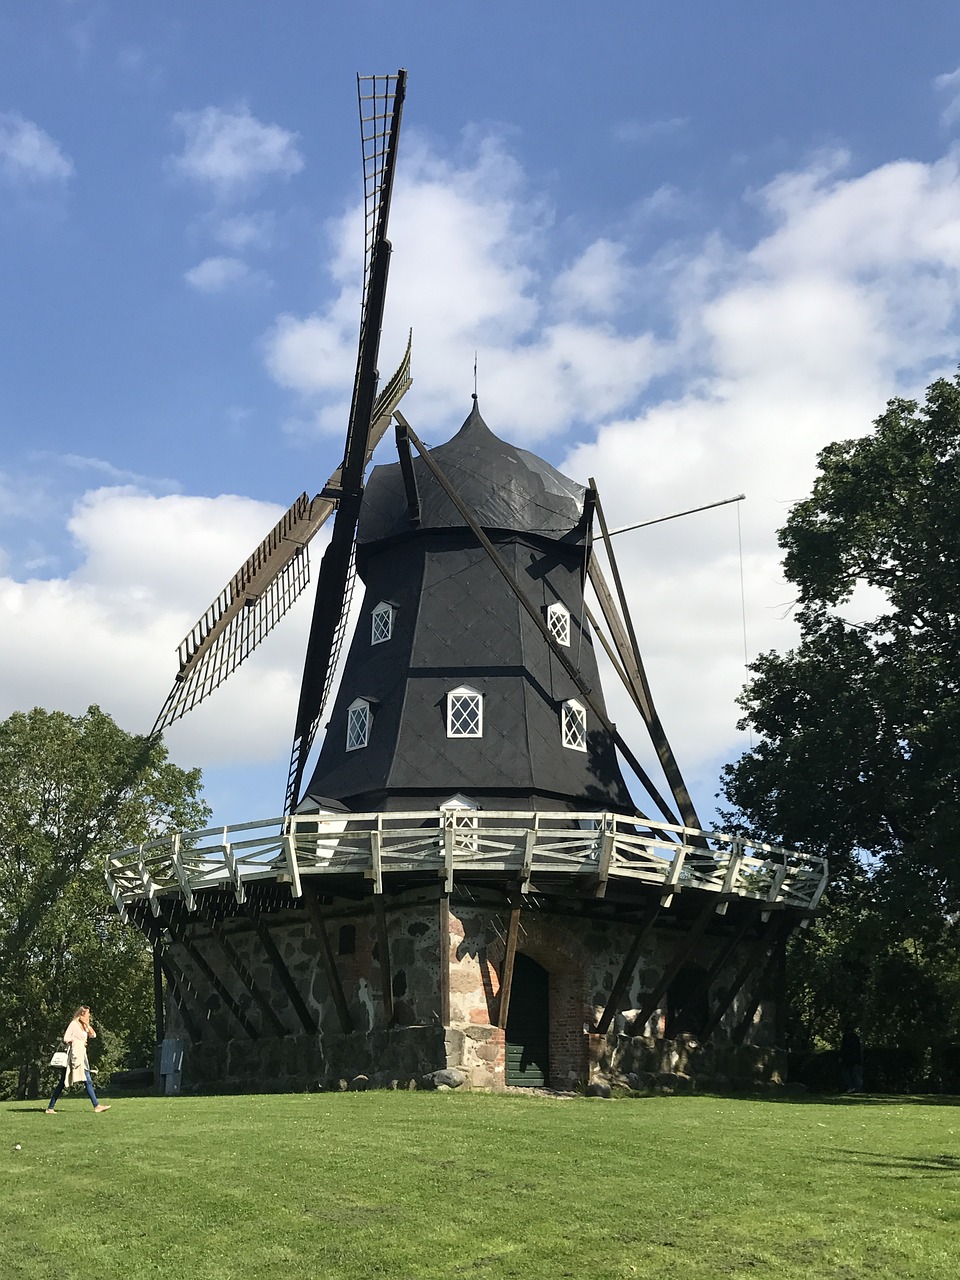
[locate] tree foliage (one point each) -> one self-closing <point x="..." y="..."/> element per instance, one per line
<point x="73" y="788"/>
<point x="858" y="756"/>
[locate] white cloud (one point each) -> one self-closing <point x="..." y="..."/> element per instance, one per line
<point x="108" y="632"/>
<point x="469" y="278"/>
<point x="231" y="151"/>
<point x="948" y="86"/>
<point x="247" y="231"/>
<point x="99" y="466"/>
<point x="596" y="282"/>
<point x="639" y="132"/>
<point x="28" y="154"/>
<point x="213" y="275"/>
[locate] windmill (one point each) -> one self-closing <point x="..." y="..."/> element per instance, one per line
<point x="466" y="846"/>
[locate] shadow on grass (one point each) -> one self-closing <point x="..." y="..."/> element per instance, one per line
<point x="908" y="1166"/>
<point x="789" y="1098"/>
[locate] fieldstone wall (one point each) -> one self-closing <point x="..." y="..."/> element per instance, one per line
<point x="582" y="956"/>
<point x="678" y="1066"/>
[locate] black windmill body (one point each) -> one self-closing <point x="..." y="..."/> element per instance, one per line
<point x="466" y="837"/>
<point x="449" y="688"/>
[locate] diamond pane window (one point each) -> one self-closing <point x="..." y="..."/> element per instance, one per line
<point x="464" y="713"/>
<point x="573" y="720"/>
<point x="358" y="724"/>
<point x="381" y="623"/>
<point x="558" y="620"/>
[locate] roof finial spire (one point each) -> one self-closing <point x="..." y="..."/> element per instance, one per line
<point x="474" y="375"/>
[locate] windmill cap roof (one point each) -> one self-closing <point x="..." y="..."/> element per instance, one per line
<point x="503" y="486"/>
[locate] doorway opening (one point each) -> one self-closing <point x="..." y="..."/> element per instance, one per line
<point x="528" y="1025"/>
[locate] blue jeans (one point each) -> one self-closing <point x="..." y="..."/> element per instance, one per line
<point x="91" y="1094"/>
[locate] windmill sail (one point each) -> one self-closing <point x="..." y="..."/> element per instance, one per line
<point x="246" y="610"/>
<point x="267" y="583"/>
<point x="381" y="108"/>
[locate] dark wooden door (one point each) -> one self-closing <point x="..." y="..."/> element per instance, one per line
<point x="528" y="1024"/>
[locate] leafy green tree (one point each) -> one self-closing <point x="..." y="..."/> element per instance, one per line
<point x="858" y="752"/>
<point x="73" y="788"/>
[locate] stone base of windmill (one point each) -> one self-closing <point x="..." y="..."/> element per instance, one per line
<point x="439" y="1029"/>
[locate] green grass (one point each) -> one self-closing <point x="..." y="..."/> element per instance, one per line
<point x="445" y="1185"/>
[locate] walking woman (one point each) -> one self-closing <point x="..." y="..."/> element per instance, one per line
<point x="75" y="1038"/>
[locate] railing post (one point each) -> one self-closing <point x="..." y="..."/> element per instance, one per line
<point x="233" y="871"/>
<point x="178" y="870"/>
<point x="290" y="853"/>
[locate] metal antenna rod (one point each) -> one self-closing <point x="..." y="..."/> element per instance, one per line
<point x="676" y="515"/>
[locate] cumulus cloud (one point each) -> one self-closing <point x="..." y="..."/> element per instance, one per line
<point x="230" y="152"/>
<point x="596" y="282"/>
<point x="470" y="279"/>
<point x="28" y="154"/>
<point x="213" y="275"/>
<point x="108" y="632"/>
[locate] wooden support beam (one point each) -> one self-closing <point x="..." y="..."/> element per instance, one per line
<point x="383" y="950"/>
<point x="529" y="848"/>
<point x="668" y="761"/>
<point x="448" y="853"/>
<point x="408" y="474"/>
<point x="775" y="886"/>
<point x="607" y="841"/>
<point x="239" y="891"/>
<point x="376" y="848"/>
<point x="672" y="878"/>
<point x="293" y="867"/>
<point x="329" y="960"/>
<point x="739" y="1033"/>
<point x="179" y="999"/>
<point x="509" y="960"/>
<point x="149" y="886"/>
<point x="724" y="954"/>
<point x="623" y="978"/>
<point x="756" y="954"/>
<point x="444" y="960"/>
<point x="680" y="958"/>
<point x="732" y="873"/>
<point x="178" y="929"/>
<point x="780" y="992"/>
<point x="614" y="655"/>
<point x="158" y="1008"/>
<point x="307" y="1020"/>
<point x="243" y="973"/>
<point x="180" y="871"/>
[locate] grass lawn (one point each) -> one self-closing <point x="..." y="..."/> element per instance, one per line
<point x="445" y="1185"/>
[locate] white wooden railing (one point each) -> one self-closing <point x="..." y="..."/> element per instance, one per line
<point x="590" y="847"/>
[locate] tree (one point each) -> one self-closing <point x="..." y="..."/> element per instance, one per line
<point x="858" y="755"/>
<point x="72" y="788"/>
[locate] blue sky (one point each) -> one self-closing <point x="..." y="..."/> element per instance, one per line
<point x="690" y="244"/>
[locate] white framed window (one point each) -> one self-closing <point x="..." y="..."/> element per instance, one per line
<point x="464" y="713"/>
<point x="573" y="724"/>
<point x="461" y="813"/>
<point x="358" y="724"/>
<point x="558" y="620"/>
<point x="381" y="622"/>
